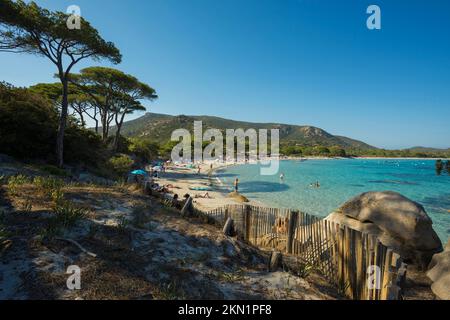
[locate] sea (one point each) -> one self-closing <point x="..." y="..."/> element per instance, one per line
<point x="320" y="186"/>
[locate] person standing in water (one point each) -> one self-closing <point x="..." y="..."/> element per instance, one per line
<point x="236" y="185"/>
<point x="210" y="170"/>
<point x="282" y="177"/>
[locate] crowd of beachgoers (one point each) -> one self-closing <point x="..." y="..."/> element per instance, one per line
<point x="176" y="182"/>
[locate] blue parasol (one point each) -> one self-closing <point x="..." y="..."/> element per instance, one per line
<point x="139" y="172"/>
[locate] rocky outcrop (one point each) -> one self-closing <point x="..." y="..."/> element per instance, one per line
<point x="439" y="273"/>
<point x="397" y="221"/>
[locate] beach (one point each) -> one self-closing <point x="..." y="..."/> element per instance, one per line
<point x="180" y="178"/>
<point x="342" y="179"/>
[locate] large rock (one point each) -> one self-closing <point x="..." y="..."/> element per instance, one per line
<point x="439" y="273"/>
<point x="397" y="221"/>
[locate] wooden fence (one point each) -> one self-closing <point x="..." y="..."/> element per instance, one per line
<point x="356" y="263"/>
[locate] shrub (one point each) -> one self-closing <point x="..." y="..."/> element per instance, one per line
<point x="48" y="186"/>
<point x="54" y="170"/>
<point x="122" y="223"/>
<point x="121" y="164"/>
<point x="145" y="149"/>
<point x="28" y="123"/>
<point x="15" y="181"/>
<point x="67" y="214"/>
<point x="83" y="146"/>
<point x="28" y="129"/>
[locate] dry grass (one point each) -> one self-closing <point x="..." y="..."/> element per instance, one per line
<point x="119" y="271"/>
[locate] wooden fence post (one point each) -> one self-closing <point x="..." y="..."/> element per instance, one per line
<point x="275" y="261"/>
<point x="228" y="227"/>
<point x="343" y="254"/>
<point x="187" y="207"/>
<point x="393" y="288"/>
<point x="387" y="275"/>
<point x="360" y="271"/>
<point x="293" y="217"/>
<point x="247" y="224"/>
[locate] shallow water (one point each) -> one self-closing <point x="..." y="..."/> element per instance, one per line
<point x="341" y="180"/>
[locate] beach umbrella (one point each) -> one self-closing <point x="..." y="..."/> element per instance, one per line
<point x="139" y="172"/>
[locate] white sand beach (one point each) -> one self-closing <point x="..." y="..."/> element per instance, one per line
<point x="180" y="178"/>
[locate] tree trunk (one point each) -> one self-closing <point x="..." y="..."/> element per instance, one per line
<point x="96" y="120"/>
<point x="83" y="123"/>
<point x="104" y="126"/>
<point x="119" y="128"/>
<point x="62" y="124"/>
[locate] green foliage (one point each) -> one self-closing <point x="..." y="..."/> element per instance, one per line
<point x="28" y="126"/>
<point x="169" y="291"/>
<point x="29" y="28"/>
<point x="50" y="91"/>
<point x="28" y="123"/>
<point x="304" y="269"/>
<point x="53" y="170"/>
<point x="57" y="196"/>
<point x="48" y="186"/>
<point x="67" y="214"/>
<point x="336" y="151"/>
<point x="15" y="181"/>
<point x="167" y="148"/>
<point x="18" y="180"/>
<point x="230" y="277"/>
<point x="143" y="148"/>
<point x="122" y="223"/>
<point x="52" y="230"/>
<point x="121" y="164"/>
<point x="27" y="206"/>
<point x="83" y="146"/>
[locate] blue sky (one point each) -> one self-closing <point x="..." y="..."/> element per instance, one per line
<point x="304" y="62"/>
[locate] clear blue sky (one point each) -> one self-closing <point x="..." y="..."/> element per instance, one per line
<point x="289" y="61"/>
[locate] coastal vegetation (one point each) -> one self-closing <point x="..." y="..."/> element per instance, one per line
<point x="65" y="150"/>
<point x="295" y="141"/>
<point x="28" y="28"/>
<point x="47" y="122"/>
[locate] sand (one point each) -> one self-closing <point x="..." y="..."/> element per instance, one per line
<point x="180" y="178"/>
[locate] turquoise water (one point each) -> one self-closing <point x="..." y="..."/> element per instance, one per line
<point x="341" y="180"/>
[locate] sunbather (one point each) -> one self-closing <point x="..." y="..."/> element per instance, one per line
<point x="205" y="196"/>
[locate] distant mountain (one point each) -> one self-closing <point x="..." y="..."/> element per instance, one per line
<point x="159" y="127"/>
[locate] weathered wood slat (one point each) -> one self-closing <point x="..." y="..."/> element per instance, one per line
<point x="343" y="255"/>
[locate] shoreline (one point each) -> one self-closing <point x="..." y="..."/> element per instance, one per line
<point x="359" y="158"/>
<point x="180" y="178"/>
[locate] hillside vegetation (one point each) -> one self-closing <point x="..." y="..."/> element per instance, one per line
<point x="295" y="140"/>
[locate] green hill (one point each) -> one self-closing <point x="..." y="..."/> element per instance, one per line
<point x="427" y="150"/>
<point x="159" y="127"/>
